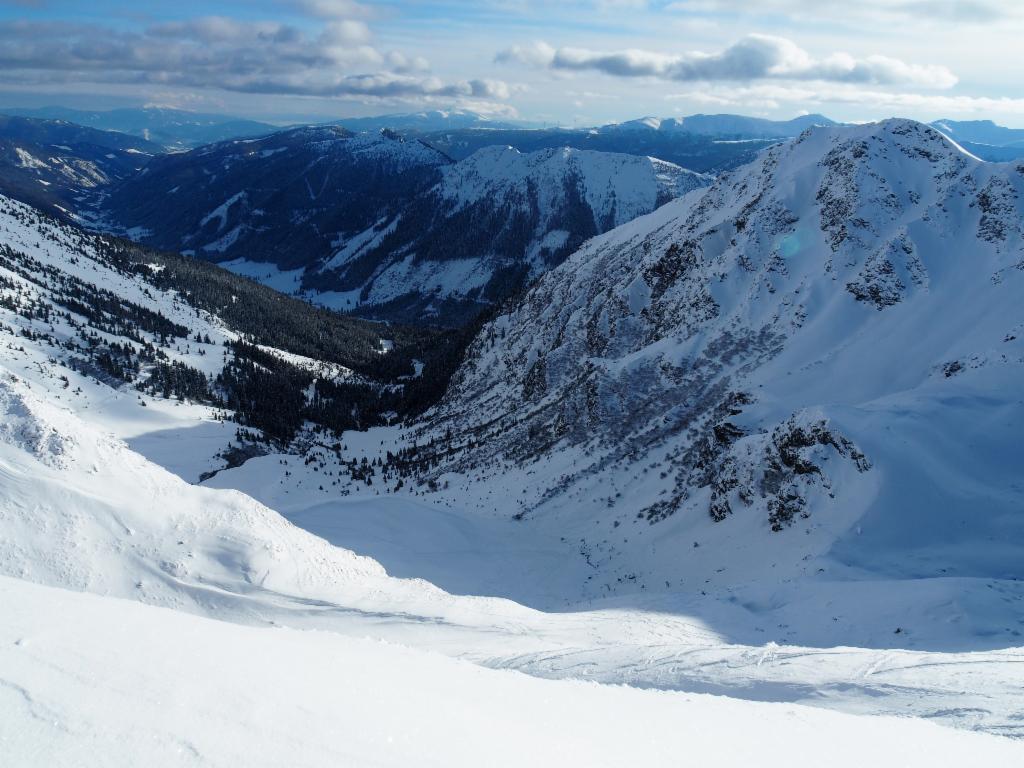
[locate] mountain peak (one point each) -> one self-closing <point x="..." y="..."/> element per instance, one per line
<point x="813" y="298"/>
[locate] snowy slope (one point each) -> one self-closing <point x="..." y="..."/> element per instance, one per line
<point x="383" y="225"/>
<point x="91" y="678"/>
<point x="94" y="496"/>
<point x="278" y="199"/>
<point x="809" y="371"/>
<point x="80" y="510"/>
<point x="90" y="514"/>
<point x="61" y="167"/>
<point x="494" y="220"/>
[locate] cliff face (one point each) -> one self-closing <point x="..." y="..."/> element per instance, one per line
<point x="774" y="349"/>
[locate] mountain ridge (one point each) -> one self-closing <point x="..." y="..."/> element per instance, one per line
<point x="510" y="216"/>
<point x="805" y="378"/>
<point x="706" y="366"/>
<point x="173" y="129"/>
<point x="60" y="167"/>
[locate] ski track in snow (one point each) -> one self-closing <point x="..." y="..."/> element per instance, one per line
<point x="607" y="641"/>
<point x="98" y="496"/>
<point x="208" y="693"/>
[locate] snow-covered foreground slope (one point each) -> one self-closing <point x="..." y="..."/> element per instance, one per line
<point x="87" y="680"/>
<point x="80" y="510"/>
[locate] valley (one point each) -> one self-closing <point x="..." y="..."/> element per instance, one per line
<point x="735" y="452"/>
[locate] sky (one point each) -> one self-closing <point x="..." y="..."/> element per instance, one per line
<point x="574" y="62"/>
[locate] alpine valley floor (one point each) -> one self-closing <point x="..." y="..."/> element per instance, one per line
<point x="162" y="605"/>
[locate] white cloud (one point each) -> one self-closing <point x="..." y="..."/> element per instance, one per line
<point x="925" y="12"/>
<point x="754" y="57"/>
<point x="868" y="100"/>
<point x="537" y="54"/>
<point x="332" y="9"/>
<point x="399" y="62"/>
<point x="489" y="108"/>
<point x="345" y="32"/>
<point x="338" y="60"/>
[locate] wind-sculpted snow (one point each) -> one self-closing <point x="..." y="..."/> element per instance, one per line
<point x="94" y="680"/>
<point x="105" y="520"/>
<point x="776" y="348"/>
<point x="20" y="428"/>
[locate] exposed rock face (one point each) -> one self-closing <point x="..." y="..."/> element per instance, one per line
<point x="729" y="339"/>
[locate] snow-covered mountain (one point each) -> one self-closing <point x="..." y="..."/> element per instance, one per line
<point x="814" y="365"/>
<point x="171" y="129"/>
<point x="493" y="221"/>
<point x="382" y="225"/>
<point x="61" y="167"/>
<point x="122" y="369"/>
<point x="723" y="126"/>
<point x="280" y="199"/>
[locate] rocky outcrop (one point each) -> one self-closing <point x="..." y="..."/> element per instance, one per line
<point x="719" y="343"/>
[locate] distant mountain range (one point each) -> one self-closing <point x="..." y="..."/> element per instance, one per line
<point x="703" y="143"/>
<point x="391" y="218"/>
<point x="172" y="129"/>
<point x="704" y="154"/>
<point x="382" y="224"/>
<point x="175" y="129"/>
<point x="724" y="126"/>
<point x="736" y="126"/>
<point x="981" y="132"/>
<point x="56" y="165"/>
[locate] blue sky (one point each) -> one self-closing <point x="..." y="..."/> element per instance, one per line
<point x="569" y="62"/>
